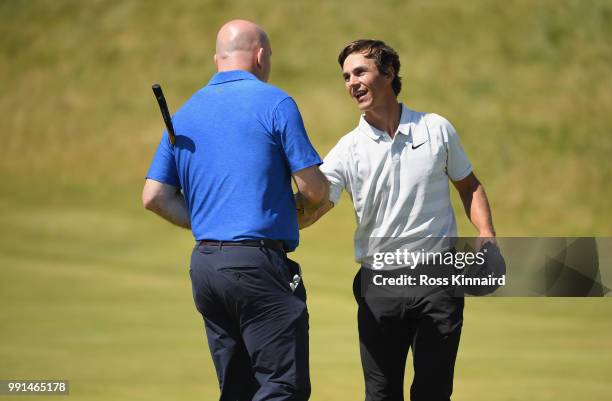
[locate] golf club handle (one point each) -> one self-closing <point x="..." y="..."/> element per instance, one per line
<point x="163" y="107"/>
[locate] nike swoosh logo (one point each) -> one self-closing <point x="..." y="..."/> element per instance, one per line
<point x="418" y="146"/>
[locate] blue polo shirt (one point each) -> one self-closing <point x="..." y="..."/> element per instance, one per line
<point x="238" y="140"/>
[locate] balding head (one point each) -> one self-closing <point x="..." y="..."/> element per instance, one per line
<point x="242" y="45"/>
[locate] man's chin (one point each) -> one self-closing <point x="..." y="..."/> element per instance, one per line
<point x="363" y="106"/>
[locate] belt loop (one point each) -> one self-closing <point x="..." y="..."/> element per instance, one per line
<point x="220" y="245"/>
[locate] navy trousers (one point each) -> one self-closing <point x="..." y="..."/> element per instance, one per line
<point x="429" y="323"/>
<point x="257" y="327"/>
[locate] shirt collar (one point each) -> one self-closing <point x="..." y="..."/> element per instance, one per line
<point x="229" y="76"/>
<point x="369" y="130"/>
<point x="405" y="125"/>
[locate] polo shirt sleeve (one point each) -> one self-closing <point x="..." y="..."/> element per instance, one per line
<point x="163" y="166"/>
<point x="334" y="169"/>
<point x="457" y="164"/>
<point x="289" y="127"/>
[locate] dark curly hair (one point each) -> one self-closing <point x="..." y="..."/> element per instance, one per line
<point x="385" y="58"/>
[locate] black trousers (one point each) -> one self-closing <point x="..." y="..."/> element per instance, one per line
<point x="257" y="328"/>
<point x="390" y="326"/>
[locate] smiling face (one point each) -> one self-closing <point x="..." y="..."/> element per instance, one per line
<point x="365" y="84"/>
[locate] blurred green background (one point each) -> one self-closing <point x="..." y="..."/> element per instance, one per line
<point x="96" y="290"/>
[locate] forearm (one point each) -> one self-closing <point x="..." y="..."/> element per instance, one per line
<point x="312" y="189"/>
<point x="478" y="211"/>
<point x="171" y="207"/>
<point x="176" y="212"/>
<point x="476" y="205"/>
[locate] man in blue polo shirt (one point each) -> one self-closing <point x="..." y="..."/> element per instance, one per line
<point x="239" y="142"/>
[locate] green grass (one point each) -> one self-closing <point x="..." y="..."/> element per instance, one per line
<point x="96" y="290"/>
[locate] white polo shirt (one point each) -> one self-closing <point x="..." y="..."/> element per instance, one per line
<point x="399" y="186"/>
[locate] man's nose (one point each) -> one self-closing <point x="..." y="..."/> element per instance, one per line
<point x="353" y="81"/>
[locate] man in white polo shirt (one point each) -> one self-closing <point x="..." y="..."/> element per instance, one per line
<point x="396" y="167"/>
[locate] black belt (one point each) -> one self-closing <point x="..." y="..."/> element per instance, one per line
<point x="277" y="245"/>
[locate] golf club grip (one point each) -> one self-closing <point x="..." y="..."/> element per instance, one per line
<point x="163" y="107"/>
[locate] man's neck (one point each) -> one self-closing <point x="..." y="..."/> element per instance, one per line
<point x="238" y="65"/>
<point x="386" y="118"/>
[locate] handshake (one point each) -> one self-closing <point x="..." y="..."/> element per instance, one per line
<point x="307" y="212"/>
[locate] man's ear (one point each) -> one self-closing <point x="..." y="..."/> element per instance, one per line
<point x="259" y="57"/>
<point x="215" y="59"/>
<point x="390" y="74"/>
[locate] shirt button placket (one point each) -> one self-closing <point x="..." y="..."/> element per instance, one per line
<point x="396" y="149"/>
